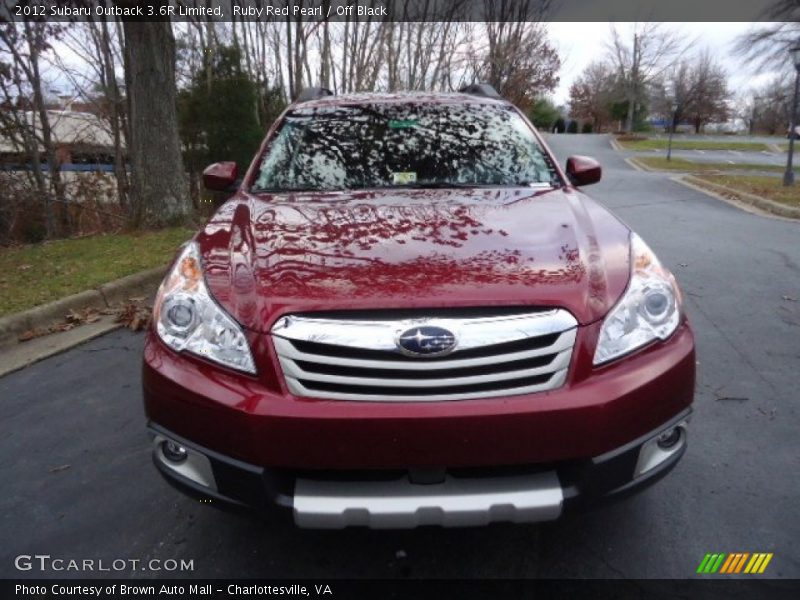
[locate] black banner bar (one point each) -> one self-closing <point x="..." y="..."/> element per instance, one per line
<point x="185" y="589"/>
<point x="390" y="10"/>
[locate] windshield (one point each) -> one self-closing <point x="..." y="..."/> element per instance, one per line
<point x="403" y="145"/>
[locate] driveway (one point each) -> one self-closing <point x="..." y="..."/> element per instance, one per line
<point x="78" y="481"/>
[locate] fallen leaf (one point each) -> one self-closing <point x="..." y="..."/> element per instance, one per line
<point x="28" y="335"/>
<point x="86" y="315"/>
<point x="134" y="315"/>
<point x="59" y="469"/>
<point x="732" y="399"/>
<point x="789" y="298"/>
<point x="24" y="267"/>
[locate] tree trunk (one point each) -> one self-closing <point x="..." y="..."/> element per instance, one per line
<point x="629" y="117"/>
<point x="633" y="86"/>
<point x="159" y="190"/>
<point x="113" y="94"/>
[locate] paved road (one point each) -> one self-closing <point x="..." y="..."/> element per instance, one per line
<point x="78" y="481"/>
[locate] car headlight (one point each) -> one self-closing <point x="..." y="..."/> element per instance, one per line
<point x="649" y="309"/>
<point x="188" y="319"/>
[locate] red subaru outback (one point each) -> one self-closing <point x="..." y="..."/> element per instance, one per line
<point x="408" y="314"/>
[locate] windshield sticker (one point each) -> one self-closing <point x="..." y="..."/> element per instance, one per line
<point x="402" y="123"/>
<point x="404" y="177"/>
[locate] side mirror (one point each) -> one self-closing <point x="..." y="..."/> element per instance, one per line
<point x="583" y="170"/>
<point x="220" y="176"/>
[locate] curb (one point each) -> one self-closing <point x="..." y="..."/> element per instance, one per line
<point x="615" y="144"/>
<point x="102" y="297"/>
<point x="743" y="200"/>
<point x="21" y="355"/>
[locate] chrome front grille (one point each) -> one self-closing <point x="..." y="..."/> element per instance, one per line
<point x="359" y="359"/>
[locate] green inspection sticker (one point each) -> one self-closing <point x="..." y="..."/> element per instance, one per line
<point x="402" y="123"/>
<point x="404" y="177"/>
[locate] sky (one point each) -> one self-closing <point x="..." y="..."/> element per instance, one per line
<point x="581" y="43"/>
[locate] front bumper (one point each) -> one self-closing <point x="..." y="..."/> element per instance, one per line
<point x="462" y="497"/>
<point x="258" y="421"/>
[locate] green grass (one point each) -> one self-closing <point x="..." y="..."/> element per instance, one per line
<point x="764" y="186"/>
<point x="681" y="164"/>
<point x="40" y="273"/>
<point x="678" y="144"/>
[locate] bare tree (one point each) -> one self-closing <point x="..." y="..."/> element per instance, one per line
<point x="96" y="81"/>
<point x="772" y="106"/>
<point x="709" y="94"/>
<point x="767" y="45"/>
<point x="695" y="89"/>
<point x="651" y="51"/>
<point x="592" y="94"/>
<point x="21" y="48"/>
<point x="424" y="45"/>
<point x="517" y="58"/>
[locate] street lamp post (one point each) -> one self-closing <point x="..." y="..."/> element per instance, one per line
<point x="788" y="177"/>
<point x="673" y="110"/>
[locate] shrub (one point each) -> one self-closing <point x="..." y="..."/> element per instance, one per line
<point x="572" y="127"/>
<point x="560" y="125"/>
<point x="587" y="128"/>
<point x="543" y="114"/>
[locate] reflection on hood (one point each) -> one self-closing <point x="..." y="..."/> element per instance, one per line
<point x="264" y="256"/>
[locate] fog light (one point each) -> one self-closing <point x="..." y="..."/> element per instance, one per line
<point x="173" y="452"/>
<point x="669" y="438"/>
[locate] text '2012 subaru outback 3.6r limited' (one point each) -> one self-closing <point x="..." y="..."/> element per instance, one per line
<point x="407" y="314"/>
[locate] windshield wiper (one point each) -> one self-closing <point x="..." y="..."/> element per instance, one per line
<point x="444" y="185"/>
<point x="536" y="184"/>
<point x="284" y="190"/>
<point x="434" y="185"/>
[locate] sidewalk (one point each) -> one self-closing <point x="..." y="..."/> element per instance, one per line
<point x="16" y="354"/>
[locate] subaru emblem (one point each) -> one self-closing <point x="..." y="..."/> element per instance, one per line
<point x="426" y="340"/>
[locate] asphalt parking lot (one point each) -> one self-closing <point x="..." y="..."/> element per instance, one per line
<point x="771" y="156"/>
<point x="725" y="157"/>
<point x="78" y="481"/>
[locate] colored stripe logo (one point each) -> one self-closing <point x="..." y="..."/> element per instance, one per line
<point x="736" y="562"/>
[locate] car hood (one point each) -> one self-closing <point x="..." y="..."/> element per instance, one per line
<point x="265" y="256"/>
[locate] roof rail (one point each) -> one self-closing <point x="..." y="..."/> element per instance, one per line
<point x="313" y="93"/>
<point x="480" y="89"/>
